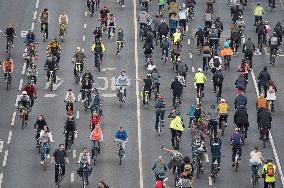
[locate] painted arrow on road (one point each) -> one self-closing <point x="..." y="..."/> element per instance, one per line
<point x="56" y="86"/>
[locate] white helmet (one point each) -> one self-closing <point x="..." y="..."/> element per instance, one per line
<point x="199" y="69"/>
<point x="24" y="93"/>
<point x="223" y="100"/>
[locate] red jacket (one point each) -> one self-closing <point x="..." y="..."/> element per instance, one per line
<point x="30" y="89"/>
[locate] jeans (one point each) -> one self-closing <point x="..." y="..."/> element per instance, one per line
<point x="219" y="86"/>
<point x="42" y="145"/>
<point x="175" y="134"/>
<point x="253" y="165"/>
<point x="93" y="149"/>
<point x="272" y="184"/>
<point x="97" y="4"/>
<point x="62" y="164"/>
<point x="235" y="148"/>
<point x="160" y="114"/>
<point x="165" y="52"/>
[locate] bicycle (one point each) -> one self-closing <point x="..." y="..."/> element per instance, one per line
<point x="227" y="60"/>
<point x="218" y="94"/>
<point x="254" y="177"/>
<point x="206" y="63"/>
<point x="161" y="123"/>
<point x="270" y="106"/>
<point x="272" y="58"/>
<point x="190" y="13"/>
<point x="214" y="170"/>
<point x="44" y="26"/>
<point x="69" y="141"/>
<point x="177" y="101"/>
<point x="119" y="47"/>
<point x="264" y="138"/>
<point x="146" y="98"/>
<point x="44" y="146"/>
<point x="9" y="46"/>
<point x="98" y="62"/>
<point x="8" y="79"/>
<point x="24" y="116"/>
<point x="223" y="126"/>
<point x="177" y="139"/>
<point x="260" y="43"/>
<point x="95" y="151"/>
<point x="237" y="158"/>
<point x="121" y="151"/>
<point x="78" y="72"/>
<point x="86" y="98"/>
<point x="51" y="79"/>
<point x="59" y="174"/>
<point x="120" y="95"/>
<point x="62" y="31"/>
<point x="85" y="175"/>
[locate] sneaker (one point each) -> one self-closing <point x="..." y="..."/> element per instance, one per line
<point x="226" y="124"/>
<point x="122" y="6"/>
<point x="48" y="156"/>
<point x="42" y="162"/>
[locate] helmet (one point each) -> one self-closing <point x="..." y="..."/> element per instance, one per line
<point x="87" y="70"/>
<point x="237" y="129"/>
<point x="223" y="100"/>
<point x="199" y="69"/>
<point x="69" y="89"/>
<point x="24" y="93"/>
<point x="78" y="48"/>
<point x="180" y="8"/>
<point x="258" y="3"/>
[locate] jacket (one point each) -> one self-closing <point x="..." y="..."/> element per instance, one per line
<point x="241" y="116"/>
<point x="70" y="125"/>
<point x="176" y="87"/>
<point x="264" y="172"/>
<point x="261" y="102"/>
<point x="173" y="23"/>
<point x="264" y="118"/>
<point x="256" y="157"/>
<point x="226" y="52"/>
<point x="223" y="108"/>
<point x="271" y="93"/>
<point x="79" y="56"/>
<point x="96" y="135"/>
<point x="213" y="114"/>
<point x="263" y="78"/>
<point x="30" y="89"/>
<point x="237" y="139"/>
<point x="218" y="77"/>
<point x="163" y="29"/>
<point x="216" y="148"/>
<point x="199" y="78"/>
<point x="240" y="100"/>
<point x="95" y="119"/>
<point x="160" y="171"/>
<point x="191" y="111"/>
<point x="249" y="46"/>
<point x="101" y="49"/>
<point x="8" y="66"/>
<point x="39" y="124"/>
<point x="260" y="28"/>
<point x="143" y="17"/>
<point x="173" y="7"/>
<point x="70" y="97"/>
<point x="177" y="124"/>
<point x="258" y="11"/>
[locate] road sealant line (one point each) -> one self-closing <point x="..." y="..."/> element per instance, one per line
<point x="21" y="84"/>
<point x="5" y="158"/>
<point x="140" y="157"/>
<point x="33" y="26"/>
<point x="1" y="178"/>
<point x="86" y="13"/>
<point x="206" y="158"/>
<point x="1" y="145"/>
<point x="9" y="137"/>
<point x="84" y="38"/>
<point x="13" y="119"/>
<point x="85" y="26"/>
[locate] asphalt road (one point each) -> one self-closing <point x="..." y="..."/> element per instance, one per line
<point x="20" y="160"/>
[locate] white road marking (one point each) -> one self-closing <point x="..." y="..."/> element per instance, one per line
<point x="105" y="69"/>
<point x="206" y="158"/>
<point x="17" y="99"/>
<point x="1" y="179"/>
<point x="266" y="52"/>
<point x="56" y="86"/>
<point x="77" y="114"/>
<point x="21" y="84"/>
<point x="140" y="157"/>
<point x="254" y="82"/>
<point x="1" y="145"/>
<point x="50" y="95"/>
<point x="24" y="68"/>
<point x="13" y="119"/>
<point x="109" y="95"/>
<point x="33" y="26"/>
<point x="186" y="28"/>
<point x="113" y="86"/>
<point x="190" y="55"/>
<point x="35" y="13"/>
<point x="86" y="13"/>
<point x="24" y="33"/>
<point x="193" y="69"/>
<point x="84" y="38"/>
<point x="74" y="153"/>
<point x="282" y="5"/>
<point x="5" y="158"/>
<point x="210" y="181"/>
<point x="9" y="137"/>
<point x="85" y="26"/>
<point x="37" y="2"/>
<point x="79" y="98"/>
<point x="72" y="176"/>
<point x="83" y="50"/>
<point x="188" y="41"/>
<point x="105" y="83"/>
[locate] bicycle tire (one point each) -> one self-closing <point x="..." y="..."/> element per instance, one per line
<point x="120" y="155"/>
<point x="7" y="84"/>
<point x="198" y="168"/>
<point x="223" y="128"/>
<point x="45" y="160"/>
<point x="23" y="121"/>
<point x="159" y="129"/>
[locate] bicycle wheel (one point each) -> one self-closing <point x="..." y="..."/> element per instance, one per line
<point x="120" y="99"/>
<point x="223" y="128"/>
<point x="23" y="120"/>
<point x="120" y="155"/>
<point x="95" y="155"/>
<point x="254" y="180"/>
<point x="7" y="84"/>
<point x="86" y="105"/>
<point x="197" y="168"/>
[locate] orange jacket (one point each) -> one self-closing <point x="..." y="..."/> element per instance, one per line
<point x="261" y="102"/>
<point x="96" y="118"/>
<point x="96" y="134"/>
<point x="226" y="52"/>
<point x="8" y="65"/>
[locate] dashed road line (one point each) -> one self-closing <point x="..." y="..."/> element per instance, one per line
<point x="74" y="153"/>
<point x="188" y="41"/>
<point x="13" y="119"/>
<point x="210" y="181"/>
<point x="9" y="137"/>
<point x="193" y="69"/>
<point x="1" y="178"/>
<point x="24" y="68"/>
<point x="33" y="26"/>
<point x="85" y="26"/>
<point x="72" y="176"/>
<point x="79" y="98"/>
<point x="86" y="13"/>
<point x="37" y="2"/>
<point x="206" y="158"/>
<point x="1" y="145"/>
<point x="21" y="84"/>
<point x="77" y="114"/>
<point x="84" y="38"/>
<point x="17" y="99"/>
<point x="5" y="158"/>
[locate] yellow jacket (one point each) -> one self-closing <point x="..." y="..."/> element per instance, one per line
<point x="53" y="45"/>
<point x="173" y="8"/>
<point x="258" y="11"/>
<point x="199" y="78"/>
<point x="102" y="46"/>
<point x="223" y="108"/>
<point x="177" y="124"/>
<point x="267" y="178"/>
<point x="176" y="37"/>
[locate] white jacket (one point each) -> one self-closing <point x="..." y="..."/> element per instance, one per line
<point x="70" y="97"/>
<point x="256" y="157"/>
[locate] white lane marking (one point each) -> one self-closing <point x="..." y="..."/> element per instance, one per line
<point x="113" y="87"/>
<point x="140" y="157"/>
<point x="17" y="99"/>
<point x="109" y="95"/>
<point x="210" y="181"/>
<point x="84" y="38"/>
<point x="1" y="179"/>
<point x="266" y="52"/>
<point x="37" y="2"/>
<point x="24" y="33"/>
<point x="74" y="153"/>
<point x="50" y="95"/>
<point x="5" y="158"/>
<point x="33" y="26"/>
<point x="83" y="50"/>
<point x="24" y="68"/>
<point x="192" y="69"/>
<point x="9" y="137"/>
<point x="110" y="68"/>
<point x="105" y="83"/>
<point x="86" y="13"/>
<point x="188" y="41"/>
<point x="21" y="84"/>
<point x="13" y="119"/>
<point x="190" y="55"/>
<point x="35" y="13"/>
<point x="79" y="97"/>
<point x="282" y="5"/>
<point x="85" y="26"/>
<point x="186" y="28"/>
<point x="56" y="86"/>
<point x="77" y="114"/>
<point x="206" y="158"/>
<point x="254" y="82"/>
<point x="72" y="176"/>
<point x="1" y="145"/>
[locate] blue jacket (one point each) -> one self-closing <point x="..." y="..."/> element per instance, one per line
<point x="216" y="148"/>
<point x="191" y="111"/>
<point x="236" y="139"/>
<point x="121" y="135"/>
<point x="240" y="100"/>
<point x="173" y="24"/>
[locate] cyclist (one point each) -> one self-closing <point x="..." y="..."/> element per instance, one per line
<point x="223" y="110"/>
<point x="95" y="102"/>
<point x="78" y="59"/>
<point x="156" y="81"/>
<point x="216" y="152"/>
<point x="268" y="173"/>
<point x="176" y="126"/>
<point x="24" y="101"/>
<point x="278" y="29"/>
<point x="120" y="40"/>
<point x="271" y="94"/>
<point x="258" y="12"/>
<point x="181" y="68"/>
<point x="243" y="68"/>
<point x="10" y="34"/>
<point x="38" y="127"/>
<point x="209" y="4"/>
<point x="248" y="49"/>
<point x="267" y="30"/>
<point x="261" y="102"/>
<point x="45" y="138"/>
<point x="264" y="120"/>
<point x="63" y="22"/>
<point x="241" y="120"/>
<point x="165" y="45"/>
<point x="98" y="49"/>
<point x="157" y="22"/>
<point x="273" y="44"/>
<point x="160" y="109"/>
<point x="213" y="117"/>
<point x="161" y="6"/>
<point x="241" y="99"/>
<point x="263" y="79"/>
<point x="260" y="33"/>
<point x="182" y="17"/>
<point x="96" y="136"/>
<point x="50" y="65"/>
<point x="236" y="142"/>
<point x="104" y="17"/>
<point x="200" y="37"/>
<point x="235" y="38"/>
<point x="256" y="159"/>
<point x="122" y="80"/>
<point x="111" y="24"/>
<point x="30" y="38"/>
<point x="59" y="158"/>
<point x="147" y="87"/>
<point x="148" y="51"/>
<point x="85" y="163"/>
<point x="31" y="92"/>
<point x="177" y="36"/>
<point x="177" y="88"/>
<point x="54" y="49"/>
<point x="143" y="18"/>
<point x="219" y="26"/>
<point x="30" y="54"/>
<point x="121" y="136"/>
<point x="199" y="80"/>
<point x="69" y="99"/>
<point x="95" y="120"/>
<point x="70" y="128"/>
<point x="163" y="30"/>
<point x="160" y="169"/>
<point x="218" y="79"/>
<point x="215" y="63"/>
<point x="236" y="13"/>
<point x="173" y="8"/>
<point x="8" y="66"/>
<point x="213" y="37"/>
<point x="86" y="84"/>
<point x="44" y="19"/>
<point x="186" y="170"/>
<point x="198" y="150"/>
<point x="98" y="33"/>
<point x="206" y="53"/>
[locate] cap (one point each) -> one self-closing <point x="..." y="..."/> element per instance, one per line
<point x="78" y="48"/>
<point x="24" y="93"/>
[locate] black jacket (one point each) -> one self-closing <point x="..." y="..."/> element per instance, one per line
<point x="163" y="29"/>
<point x="240" y="100"/>
<point x="264" y="118"/>
<point x="176" y="87"/>
<point x="263" y="78"/>
<point x="70" y="125"/>
<point x="218" y="77"/>
<point x="260" y="29"/>
<point x="241" y="116"/>
<point x="39" y="124"/>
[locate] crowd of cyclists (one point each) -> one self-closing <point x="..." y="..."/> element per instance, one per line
<point x="169" y="36"/>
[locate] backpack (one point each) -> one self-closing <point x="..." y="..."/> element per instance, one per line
<point x="187" y="168"/>
<point x="278" y="30"/>
<point x="270" y="170"/>
<point x="161" y="104"/>
<point x="218" y="79"/>
<point x="273" y="41"/>
<point x="216" y="62"/>
<point x="213" y="34"/>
